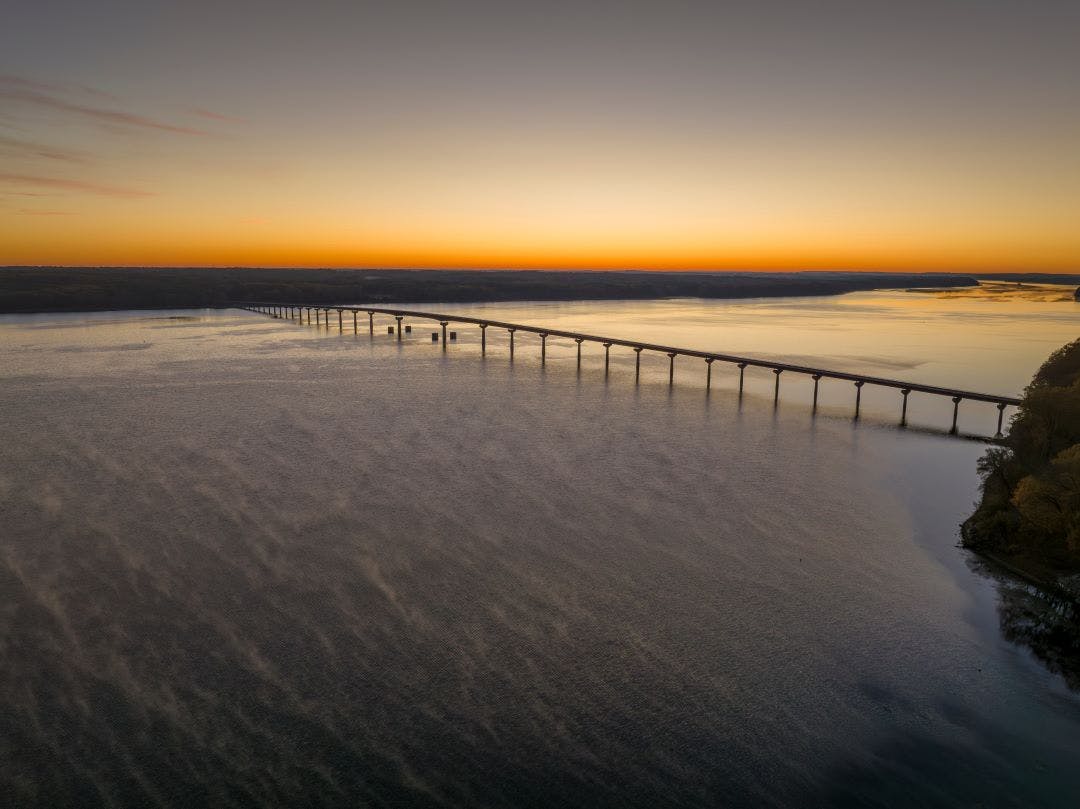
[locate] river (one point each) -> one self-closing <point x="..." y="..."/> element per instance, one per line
<point x="247" y="562"/>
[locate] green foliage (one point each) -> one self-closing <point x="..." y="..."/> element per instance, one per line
<point x="1031" y="485"/>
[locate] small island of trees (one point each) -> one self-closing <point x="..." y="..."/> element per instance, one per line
<point x="1029" y="514"/>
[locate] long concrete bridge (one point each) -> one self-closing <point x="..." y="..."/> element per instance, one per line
<point x="302" y="313"/>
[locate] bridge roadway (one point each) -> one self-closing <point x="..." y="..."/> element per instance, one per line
<point x="287" y="310"/>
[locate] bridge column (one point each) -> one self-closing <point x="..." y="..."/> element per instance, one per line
<point x="858" y="396"/>
<point x="905" y="392"/>
<point x="444" y="324"/>
<point x="317" y="316"/>
<point x="708" y="372"/>
<point x="776" y="386"/>
<point x="637" y="364"/>
<point x="1001" y="414"/>
<point x="955" y="412"/>
<point x="398" y="318"/>
<point x="543" y="348"/>
<point x="354" y="328"/>
<point x="817" y="379"/>
<point x="578" y="340"/>
<point x="742" y="370"/>
<point x="370" y="322"/>
<point x="339" y="326"/>
<point x="483" y="339"/>
<point x="671" y="368"/>
<point x="607" y="357"/>
<point x="511" y="343"/>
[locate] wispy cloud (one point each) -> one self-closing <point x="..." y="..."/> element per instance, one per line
<point x="24" y="91"/>
<point x="45" y="213"/>
<point x="65" y="184"/>
<point x="48" y="87"/>
<point x="26" y="148"/>
<point x="216" y="116"/>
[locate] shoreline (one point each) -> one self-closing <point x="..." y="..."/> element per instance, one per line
<point x="51" y="290"/>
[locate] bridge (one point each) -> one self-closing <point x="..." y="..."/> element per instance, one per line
<point x="322" y="316"/>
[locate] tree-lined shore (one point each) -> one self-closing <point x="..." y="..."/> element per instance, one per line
<point x="1029" y="514"/>
<point x="67" y="289"/>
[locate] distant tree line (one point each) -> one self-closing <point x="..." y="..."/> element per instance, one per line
<point x="45" y="289"/>
<point x="1030" y="506"/>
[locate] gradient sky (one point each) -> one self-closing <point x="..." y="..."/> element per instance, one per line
<point x="764" y="135"/>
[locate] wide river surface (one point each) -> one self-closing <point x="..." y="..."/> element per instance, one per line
<point x="245" y="561"/>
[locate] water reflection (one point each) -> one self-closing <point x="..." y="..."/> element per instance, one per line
<point x="1044" y="623"/>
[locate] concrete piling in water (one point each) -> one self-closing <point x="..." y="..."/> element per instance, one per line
<point x="955" y="413"/>
<point x="858" y="396"/>
<point x="1001" y="415"/>
<point x="671" y="368"/>
<point x="543" y="348"/>
<point x="434" y="337"/>
<point x="483" y="339"/>
<point x="339" y="325"/>
<point x="817" y="379"/>
<point x="453" y="336"/>
<point x="708" y="372"/>
<point x="637" y="364"/>
<point x="511" y="343"/>
<point x="742" y="372"/>
<point x="579" y="341"/>
<point x="389" y="329"/>
<point x="776" y="386"/>
<point x="371" y="322"/>
<point x="354" y="328"/>
<point x="444" y="324"/>
<point x="317" y="316"/>
<point x="903" y="408"/>
<point x="408" y="329"/>
<point x="398" y="318"/>
<point x="607" y="357"/>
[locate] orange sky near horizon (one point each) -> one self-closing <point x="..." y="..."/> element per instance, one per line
<point x="502" y="135"/>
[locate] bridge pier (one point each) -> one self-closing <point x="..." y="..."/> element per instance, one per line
<point x="742" y="370"/>
<point x="317" y="316"/>
<point x="671" y="368"/>
<point x="543" y="348"/>
<point x="579" y="341"/>
<point x="371" y="323"/>
<point x="637" y="364"/>
<point x="1001" y="414"/>
<point x="355" y="330"/>
<point x="903" y="410"/>
<point x="955" y="413"/>
<point x="776" y="386"/>
<point x="607" y="357"/>
<point x="340" y="327"/>
<point x="708" y="372"/>
<point x="511" y="343"/>
<point x="817" y="379"/>
<point x="444" y="324"/>
<point x="858" y="396"/>
<point x="398" y="318"/>
<point x="483" y="339"/>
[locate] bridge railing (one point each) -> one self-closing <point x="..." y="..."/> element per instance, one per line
<point x="296" y="311"/>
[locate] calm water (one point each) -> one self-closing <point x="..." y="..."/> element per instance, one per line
<point x="248" y="562"/>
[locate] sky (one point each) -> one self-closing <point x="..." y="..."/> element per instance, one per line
<point x="864" y="135"/>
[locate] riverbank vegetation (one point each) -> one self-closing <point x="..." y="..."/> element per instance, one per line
<point x="60" y="289"/>
<point x="1029" y="514"/>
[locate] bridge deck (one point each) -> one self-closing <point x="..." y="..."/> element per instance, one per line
<point x="824" y="373"/>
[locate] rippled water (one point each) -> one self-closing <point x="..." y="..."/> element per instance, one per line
<point x="245" y="561"/>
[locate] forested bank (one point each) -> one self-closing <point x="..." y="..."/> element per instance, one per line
<point x="59" y="289"/>
<point x="1029" y="514"/>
